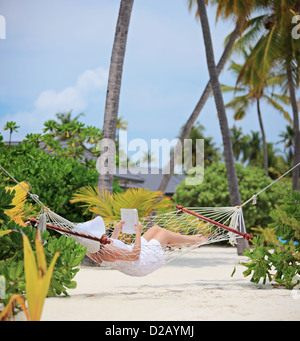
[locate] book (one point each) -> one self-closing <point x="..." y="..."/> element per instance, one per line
<point x="131" y="218"/>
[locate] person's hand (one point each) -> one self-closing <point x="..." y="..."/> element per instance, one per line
<point x="119" y="226"/>
<point x="139" y="228"/>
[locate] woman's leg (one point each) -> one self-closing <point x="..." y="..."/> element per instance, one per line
<point x="170" y="238"/>
<point x="148" y="235"/>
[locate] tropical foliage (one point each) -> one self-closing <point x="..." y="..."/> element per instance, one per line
<point x="68" y="137"/>
<point x="13" y="265"/>
<point x="38" y="278"/>
<point x="275" y="50"/>
<point x="254" y="93"/>
<point x="109" y="205"/>
<point x="51" y="177"/>
<point x="21" y="210"/>
<point x="212" y="152"/>
<point x="12" y="127"/>
<point x="275" y="256"/>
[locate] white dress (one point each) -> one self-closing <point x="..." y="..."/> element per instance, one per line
<point x="151" y="258"/>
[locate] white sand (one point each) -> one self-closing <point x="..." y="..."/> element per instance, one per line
<point x="194" y="287"/>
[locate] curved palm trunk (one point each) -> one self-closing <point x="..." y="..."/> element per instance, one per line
<point x="265" y="150"/>
<point x="193" y="117"/>
<point x="295" y="127"/>
<point x="228" y="152"/>
<point x="107" y="155"/>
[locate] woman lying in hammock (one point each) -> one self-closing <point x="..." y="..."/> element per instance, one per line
<point x="146" y="254"/>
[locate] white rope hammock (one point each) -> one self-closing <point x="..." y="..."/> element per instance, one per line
<point x="185" y="221"/>
<point x="214" y="223"/>
<point x="218" y="224"/>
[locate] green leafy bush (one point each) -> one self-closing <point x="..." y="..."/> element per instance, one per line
<point x="11" y="255"/>
<point x="54" y="179"/>
<point x="279" y="260"/>
<point x="213" y="192"/>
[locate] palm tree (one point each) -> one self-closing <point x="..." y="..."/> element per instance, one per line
<point x="12" y="127"/>
<point x="65" y="125"/>
<point x="121" y="124"/>
<point x="240" y="10"/>
<point x="240" y="144"/>
<point x="254" y="148"/>
<point x="148" y="158"/>
<point x="276" y="47"/>
<point x="105" y="179"/>
<point x="66" y="117"/>
<point x="212" y="153"/>
<point x="277" y="163"/>
<point x="254" y="88"/>
<point x="216" y="87"/>
<point x="288" y="137"/>
<point x="50" y="126"/>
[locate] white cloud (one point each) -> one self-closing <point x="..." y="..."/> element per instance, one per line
<point x="50" y="101"/>
<point x="73" y="97"/>
<point x="76" y="98"/>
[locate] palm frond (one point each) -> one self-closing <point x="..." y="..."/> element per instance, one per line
<point x="237" y="102"/>
<point x="267" y="51"/>
<point x="239" y="114"/>
<point x="282" y="98"/>
<point x="251" y="33"/>
<point x="93" y="201"/>
<point x="279" y="108"/>
<point x="17" y="213"/>
<point x="276" y="79"/>
<point x="227" y="88"/>
<point x="109" y="206"/>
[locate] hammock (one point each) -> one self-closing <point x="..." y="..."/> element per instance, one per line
<point x="216" y="223"/>
<point x="184" y="221"/>
<point x="152" y="256"/>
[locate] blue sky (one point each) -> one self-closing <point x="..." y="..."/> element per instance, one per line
<point x="56" y="57"/>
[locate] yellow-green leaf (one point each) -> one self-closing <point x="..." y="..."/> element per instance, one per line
<point x="31" y="275"/>
<point x="44" y="284"/>
<point x="3" y="233"/>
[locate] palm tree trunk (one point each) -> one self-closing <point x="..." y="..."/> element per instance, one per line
<point x="193" y="117"/>
<point x="265" y="150"/>
<point x="295" y="127"/>
<point x="105" y="181"/>
<point x="228" y="152"/>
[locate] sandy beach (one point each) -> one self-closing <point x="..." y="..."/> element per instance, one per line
<point x="195" y="287"/>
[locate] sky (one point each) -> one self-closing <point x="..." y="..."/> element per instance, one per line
<point x="56" y="58"/>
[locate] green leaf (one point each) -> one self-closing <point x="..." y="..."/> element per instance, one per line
<point x="233" y="272"/>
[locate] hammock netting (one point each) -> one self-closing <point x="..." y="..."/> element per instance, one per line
<point x="216" y="224"/>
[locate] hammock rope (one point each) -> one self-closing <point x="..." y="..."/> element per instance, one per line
<point x="242" y="234"/>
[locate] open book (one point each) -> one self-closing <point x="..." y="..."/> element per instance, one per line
<point x="130" y="217"/>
